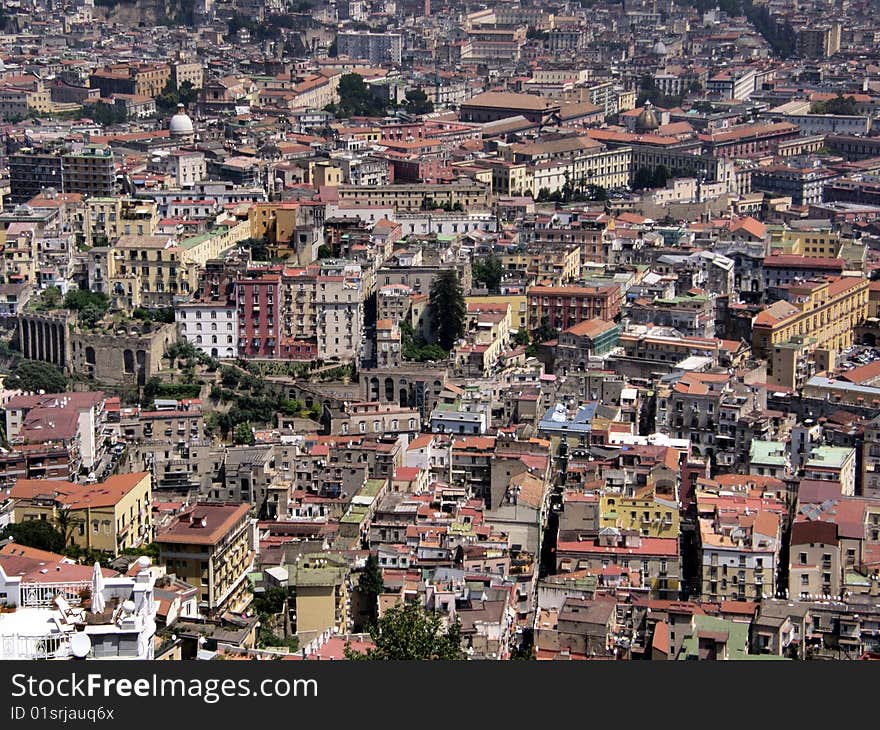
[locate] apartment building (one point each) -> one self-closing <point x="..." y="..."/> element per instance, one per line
<point x="211" y="326"/>
<point x="108" y="516"/>
<point x="106" y="219"/>
<point x="210" y="546"/>
<point x="377" y="48"/>
<point x="89" y="170"/>
<point x="690" y="409"/>
<point x="802" y="336"/>
<point x="563" y="307"/>
<point x="657" y="559"/>
<point x="740" y="539"/>
<point x="258" y="294"/>
<point x="71" y="421"/>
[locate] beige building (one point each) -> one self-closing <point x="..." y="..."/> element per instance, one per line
<point x="320" y="585"/>
<point x="802" y="336"/>
<point x="106" y="219"/>
<point x="109" y="516"/>
<point x="210" y="546"/>
<point x="414" y="196"/>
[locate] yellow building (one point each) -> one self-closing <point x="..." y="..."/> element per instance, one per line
<point x="517" y="310"/>
<point x="109" y="516"/>
<point x="320" y="585"/>
<point x="801" y="336"/>
<point x="109" y="218"/>
<point x="277" y="221"/>
<point x="210" y="546"/>
<point x="547" y="264"/>
<point x="414" y="196"/>
<point x="651" y="516"/>
<point x="814" y="242"/>
<point x="160" y="269"/>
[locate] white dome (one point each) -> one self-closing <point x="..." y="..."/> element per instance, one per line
<point x="181" y="124"/>
<point x="659" y="48"/>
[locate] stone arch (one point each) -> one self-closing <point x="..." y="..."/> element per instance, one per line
<point x="141" y="358"/>
<point x="389" y="390"/>
<point x="373" y="389"/>
<point x="128" y="362"/>
<point x="90" y="361"/>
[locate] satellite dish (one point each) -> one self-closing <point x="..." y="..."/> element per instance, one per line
<point x="80" y="645"/>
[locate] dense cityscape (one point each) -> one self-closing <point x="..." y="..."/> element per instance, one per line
<point x="413" y="329"/>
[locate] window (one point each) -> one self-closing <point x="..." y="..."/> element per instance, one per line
<point x="802" y="558"/>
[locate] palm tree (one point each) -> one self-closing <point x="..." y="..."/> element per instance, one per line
<point x="66" y="523"/>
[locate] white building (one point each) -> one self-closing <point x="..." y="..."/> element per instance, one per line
<point x="339" y="304"/>
<point x="188" y="167"/>
<point x="469" y="423"/>
<point x="211" y="326"/>
<point x="377" y="48"/>
<point x="48" y="625"/>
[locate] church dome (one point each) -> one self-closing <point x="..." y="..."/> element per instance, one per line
<point x="659" y="48"/>
<point x="181" y="125"/>
<point x="647" y="120"/>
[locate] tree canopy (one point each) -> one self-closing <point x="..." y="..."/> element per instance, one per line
<point x="844" y="105"/>
<point x="35" y="375"/>
<point x="38" y="534"/>
<point x="411" y="633"/>
<point x="417" y="102"/>
<point x="371" y="584"/>
<point x="106" y="114"/>
<point x="489" y="271"/>
<point x="646" y="177"/>
<point x="90" y="305"/>
<point x="448" y="309"/>
<point x="356" y="99"/>
<point x="171" y="96"/>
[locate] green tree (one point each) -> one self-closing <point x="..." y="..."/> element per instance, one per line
<point x="417" y="102"/>
<point x="545" y="332"/>
<point x="659" y="176"/>
<point x="371" y="584"/>
<point x="448" y="309"/>
<point x="34" y="375"/>
<point x="838" y="105"/>
<point x="409" y="633"/>
<point x="244" y="434"/>
<point x="271" y="602"/>
<point x="643" y="178"/>
<point x="51" y="297"/>
<point x="39" y="534"/>
<point x="77" y="300"/>
<point x="171" y="96"/>
<point x="356" y="99"/>
<point x="259" y="248"/>
<point x="106" y="114"/>
<point x="489" y="272"/>
<point x="66" y="523"/>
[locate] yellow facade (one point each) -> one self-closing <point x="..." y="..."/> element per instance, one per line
<point x="823" y="244"/>
<point x="109" y="218"/>
<point x="110" y="527"/>
<point x="322" y="598"/>
<point x="824" y="325"/>
<point x="650" y="517"/>
<point x="217" y="566"/>
<point x="517" y="310"/>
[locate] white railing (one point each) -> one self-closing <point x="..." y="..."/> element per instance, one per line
<point x="42" y="595"/>
<point x="50" y="646"/>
